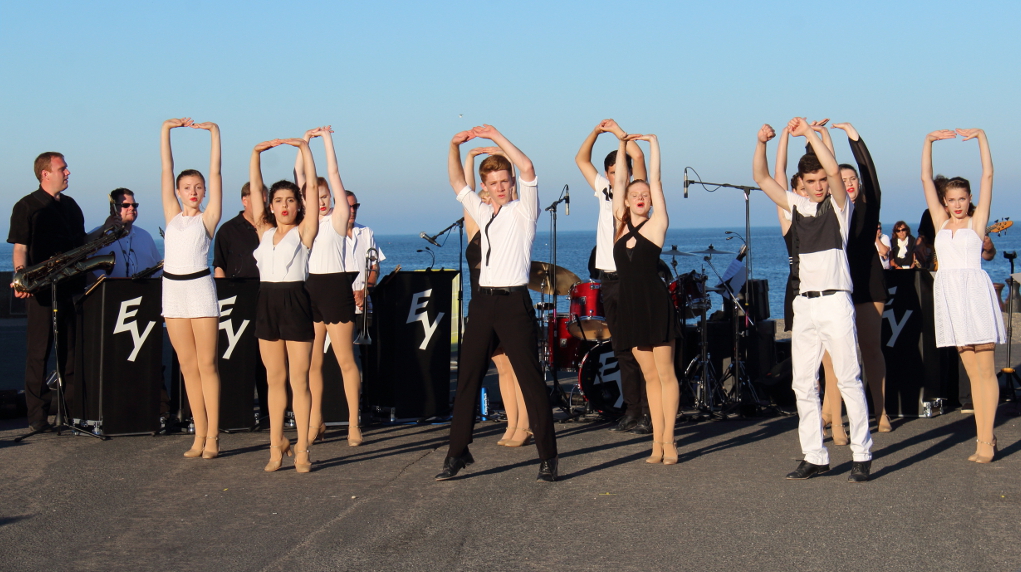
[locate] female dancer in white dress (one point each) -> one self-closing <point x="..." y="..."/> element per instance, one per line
<point x="329" y="289"/>
<point x="284" y="316"/>
<point x="967" y="312"/>
<point x="189" y="295"/>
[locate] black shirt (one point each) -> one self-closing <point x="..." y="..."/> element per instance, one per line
<point x="233" y="246"/>
<point x="47" y="227"/>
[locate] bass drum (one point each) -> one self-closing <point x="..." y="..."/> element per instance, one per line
<point x="599" y="380"/>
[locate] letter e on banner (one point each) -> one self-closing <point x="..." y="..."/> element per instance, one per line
<point x="122" y="325"/>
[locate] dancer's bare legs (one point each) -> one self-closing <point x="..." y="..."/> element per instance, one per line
<point x="194" y="340"/>
<point x="985" y="393"/>
<point x="274" y="357"/>
<point x="868" y="319"/>
<point x="832" y="405"/>
<point x="299" y="356"/>
<point x="513" y="401"/>
<point x="315" y="379"/>
<point x="349" y="370"/>
<point x="663" y="391"/>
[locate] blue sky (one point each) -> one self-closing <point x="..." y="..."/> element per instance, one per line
<point x="398" y="79"/>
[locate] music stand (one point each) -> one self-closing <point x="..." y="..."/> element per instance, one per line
<point x="61" y="422"/>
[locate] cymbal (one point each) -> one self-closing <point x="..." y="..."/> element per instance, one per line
<point x="540" y="278"/>
<point x="674" y="252"/>
<point x="712" y="250"/>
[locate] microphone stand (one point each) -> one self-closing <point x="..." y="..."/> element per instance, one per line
<point x="459" y="223"/>
<point x="557" y="393"/>
<point x="747" y="223"/>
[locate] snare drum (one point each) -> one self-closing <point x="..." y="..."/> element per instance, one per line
<point x="561" y="346"/>
<point x="588" y="321"/>
<point x="599" y="380"/>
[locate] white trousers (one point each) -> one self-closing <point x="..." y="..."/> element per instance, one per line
<point x="827" y="323"/>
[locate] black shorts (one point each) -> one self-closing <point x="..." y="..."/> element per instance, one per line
<point x="332" y="299"/>
<point x="284" y="312"/>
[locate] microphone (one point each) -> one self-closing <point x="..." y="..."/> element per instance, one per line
<point x="686" y="182"/>
<point x="567" y="200"/>
<point x="428" y="238"/>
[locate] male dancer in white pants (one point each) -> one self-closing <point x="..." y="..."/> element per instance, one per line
<point x="824" y="313"/>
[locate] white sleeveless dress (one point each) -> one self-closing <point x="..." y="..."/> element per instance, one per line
<point x="186" y="251"/>
<point x="966" y="309"/>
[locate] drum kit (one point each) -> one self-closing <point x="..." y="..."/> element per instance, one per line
<point x="580" y="341"/>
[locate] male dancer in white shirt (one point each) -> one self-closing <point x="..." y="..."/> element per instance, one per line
<point x="632" y="385"/>
<point x="823" y="311"/>
<point x="501" y="312"/>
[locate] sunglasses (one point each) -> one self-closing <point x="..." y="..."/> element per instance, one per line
<point x="128" y="205"/>
<point x="900" y="230"/>
<point x="356" y="206"/>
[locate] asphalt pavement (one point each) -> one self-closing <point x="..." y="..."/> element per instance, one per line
<point x="134" y="503"/>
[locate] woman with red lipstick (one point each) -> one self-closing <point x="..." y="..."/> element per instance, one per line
<point x="869" y="295"/>
<point x="190" y="305"/>
<point x="967" y="311"/>
<point x="329" y="290"/>
<point x="647" y="321"/>
<point x="284" y="323"/>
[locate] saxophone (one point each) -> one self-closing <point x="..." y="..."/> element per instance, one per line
<point x="148" y="271"/>
<point x="68" y="264"/>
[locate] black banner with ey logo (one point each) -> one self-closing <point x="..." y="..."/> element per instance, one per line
<point x="120" y="357"/>
<point x="408" y="365"/>
<point x="916" y="370"/>
<point x="240" y="363"/>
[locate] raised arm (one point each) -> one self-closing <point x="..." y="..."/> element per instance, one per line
<point x="455" y="171"/>
<point x="309" y="226"/>
<point x="939" y="215"/>
<point x="819" y="126"/>
<point x="299" y="160"/>
<point x="171" y="206"/>
<point x="985" y="196"/>
<point x="619" y="185"/>
<point x="800" y="128"/>
<point x="584" y="157"/>
<point x="214" y="190"/>
<point x="780" y="172"/>
<point x="341" y="210"/>
<point x="469" y="163"/>
<point x="660" y="218"/>
<point x="524" y="165"/>
<point x="256" y="185"/>
<point x="866" y="168"/>
<point x="760" y="169"/>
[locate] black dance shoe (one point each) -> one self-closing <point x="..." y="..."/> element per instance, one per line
<point x="860" y="472"/>
<point x="807" y="470"/>
<point x="626" y="423"/>
<point x="548" y="470"/>
<point x="452" y="465"/>
<point x="644" y="426"/>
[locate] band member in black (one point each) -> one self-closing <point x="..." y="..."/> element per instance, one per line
<point x="235" y="242"/>
<point x="636" y="414"/>
<point x="44" y="223"/>
<point x="501" y="313"/>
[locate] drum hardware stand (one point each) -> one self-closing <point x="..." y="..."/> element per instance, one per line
<point x="736" y="370"/>
<point x="61" y="422"/>
<point x="1008" y="375"/>
<point x="706" y="389"/>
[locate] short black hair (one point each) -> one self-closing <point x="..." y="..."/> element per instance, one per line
<point x="808" y="163"/>
<point x="611" y="159"/>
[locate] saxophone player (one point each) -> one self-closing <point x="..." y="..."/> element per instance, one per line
<point x="44" y="223"/>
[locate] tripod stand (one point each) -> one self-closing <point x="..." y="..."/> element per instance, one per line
<point x="61" y="423"/>
<point x="558" y="397"/>
<point x="1008" y="375"/>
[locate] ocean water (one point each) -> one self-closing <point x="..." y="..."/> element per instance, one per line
<point x="768" y="255"/>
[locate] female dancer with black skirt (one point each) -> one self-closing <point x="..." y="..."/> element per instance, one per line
<point x="190" y="306"/>
<point x="284" y="316"/>
<point x="647" y="320"/>
<point x="329" y="290"/>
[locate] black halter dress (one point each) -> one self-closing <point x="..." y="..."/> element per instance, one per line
<point x="645" y="314"/>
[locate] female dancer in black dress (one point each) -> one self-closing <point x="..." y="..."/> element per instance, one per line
<point x="517" y="433"/>
<point x="869" y="295"/>
<point x="647" y="321"/>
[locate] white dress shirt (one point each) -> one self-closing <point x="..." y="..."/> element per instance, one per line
<point x="507" y="236"/>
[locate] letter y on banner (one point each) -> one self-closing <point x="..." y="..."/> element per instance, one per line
<point x="419" y="312"/>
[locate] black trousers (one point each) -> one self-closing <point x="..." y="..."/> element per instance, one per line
<point x="39" y="342"/>
<point x="632" y="383"/>
<point x="506" y="320"/>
